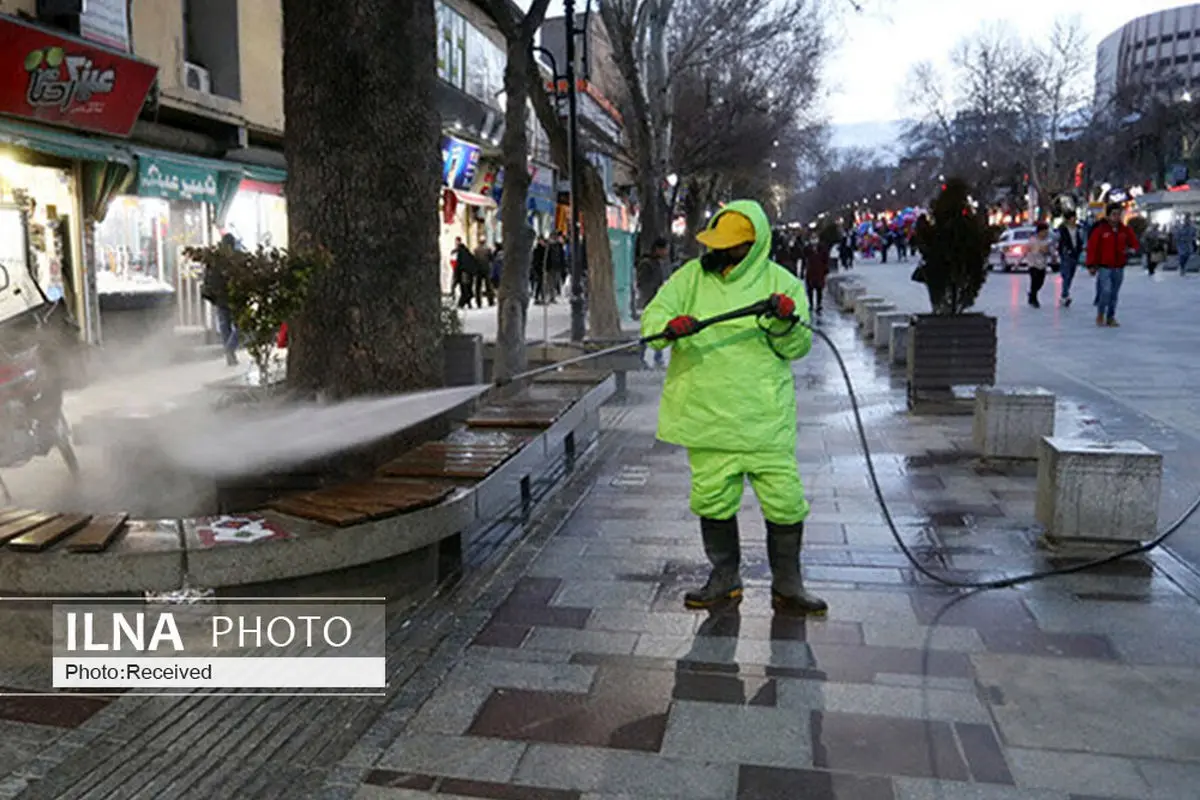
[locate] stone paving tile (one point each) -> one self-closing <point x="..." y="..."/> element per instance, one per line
<point x="1091" y="706"/>
<point x="454" y="756"/>
<point x="1171" y="779"/>
<point x="925" y="789"/>
<point x="641" y="775"/>
<point x="767" y="783"/>
<point x="886" y="745"/>
<point x="719" y="733"/>
<point x="884" y="701"/>
<point x="1079" y="773"/>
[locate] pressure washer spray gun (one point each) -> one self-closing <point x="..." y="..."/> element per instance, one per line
<point x="763" y="308"/>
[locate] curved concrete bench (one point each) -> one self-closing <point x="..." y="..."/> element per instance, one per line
<point x="67" y="555"/>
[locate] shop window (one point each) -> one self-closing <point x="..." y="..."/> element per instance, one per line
<point x="210" y="35"/>
<point x="485" y="67"/>
<point x="139" y="246"/>
<point x="452" y="44"/>
<point x="35" y="206"/>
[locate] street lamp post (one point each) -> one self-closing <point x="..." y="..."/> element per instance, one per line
<point x="578" y="328"/>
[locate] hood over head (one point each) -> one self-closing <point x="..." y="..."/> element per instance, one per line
<point x="761" y="250"/>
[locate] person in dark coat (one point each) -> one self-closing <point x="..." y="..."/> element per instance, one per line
<point x="816" y="268"/>
<point x="465" y="270"/>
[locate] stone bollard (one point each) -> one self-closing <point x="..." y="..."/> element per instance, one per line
<point x="884" y="321"/>
<point x="849" y="295"/>
<point x="835" y="288"/>
<point x="898" y="345"/>
<point x="841" y="290"/>
<point x="872" y="314"/>
<point x="860" y="307"/>
<point x="1097" y="493"/>
<point x="1011" y="422"/>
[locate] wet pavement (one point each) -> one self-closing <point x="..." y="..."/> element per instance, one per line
<point x="1138" y="381"/>
<point x="572" y="671"/>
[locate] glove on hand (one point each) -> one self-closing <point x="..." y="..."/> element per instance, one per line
<point x="782" y="306"/>
<point x="682" y="326"/>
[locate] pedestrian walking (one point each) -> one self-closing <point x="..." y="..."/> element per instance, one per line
<point x="1038" y="259"/>
<point x="1108" y="250"/>
<point x="215" y="289"/>
<point x="537" y="270"/>
<point x="465" y="269"/>
<point x="483" y="278"/>
<point x="730" y="399"/>
<point x="816" y="269"/>
<point x="1070" y="249"/>
<point x="653" y="270"/>
<point x="1185" y="242"/>
<point x="497" y="267"/>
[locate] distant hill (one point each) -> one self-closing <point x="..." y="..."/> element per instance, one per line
<point x="881" y="136"/>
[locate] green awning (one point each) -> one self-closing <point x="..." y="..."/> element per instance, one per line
<point x="257" y="172"/>
<point x="61" y="144"/>
<point x="175" y="176"/>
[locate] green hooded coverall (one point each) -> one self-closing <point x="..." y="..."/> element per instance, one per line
<point x="730" y="397"/>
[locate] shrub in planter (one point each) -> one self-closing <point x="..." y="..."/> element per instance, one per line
<point x="265" y="288"/>
<point x="951" y="347"/>
<point x="462" y="353"/>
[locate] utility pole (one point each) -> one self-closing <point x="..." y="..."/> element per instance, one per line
<point x="578" y="326"/>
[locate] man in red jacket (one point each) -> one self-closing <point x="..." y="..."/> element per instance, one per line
<point x="1107" y="251"/>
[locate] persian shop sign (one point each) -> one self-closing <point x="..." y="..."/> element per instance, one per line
<point x="64" y="81"/>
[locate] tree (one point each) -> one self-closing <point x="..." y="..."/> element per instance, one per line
<point x="687" y="65"/>
<point x="604" y="320"/>
<point x="363" y="181"/>
<point x="513" y="305"/>
<point x="954" y="248"/>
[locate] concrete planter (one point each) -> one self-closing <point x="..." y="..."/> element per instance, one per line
<point x="945" y="352"/>
<point x="463" y="354"/>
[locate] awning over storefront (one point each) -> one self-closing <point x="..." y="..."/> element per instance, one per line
<point x="61" y="144"/>
<point x="261" y="174"/>
<point x="472" y="199"/>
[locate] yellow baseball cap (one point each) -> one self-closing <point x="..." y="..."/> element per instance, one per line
<point x="731" y="230"/>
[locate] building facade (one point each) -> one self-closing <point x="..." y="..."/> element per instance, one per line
<point x="129" y="132"/>
<point x="133" y="129"/>
<point x="1160" y="51"/>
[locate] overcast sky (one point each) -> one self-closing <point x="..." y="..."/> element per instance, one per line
<point x="879" y="44"/>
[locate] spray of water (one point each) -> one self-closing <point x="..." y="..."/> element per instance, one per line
<point x="270" y="438"/>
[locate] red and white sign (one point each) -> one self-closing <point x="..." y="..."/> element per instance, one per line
<point x="60" y="80"/>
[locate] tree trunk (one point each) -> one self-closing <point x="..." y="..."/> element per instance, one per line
<point x="604" y="319"/>
<point x="513" y="305"/>
<point x="363" y="180"/>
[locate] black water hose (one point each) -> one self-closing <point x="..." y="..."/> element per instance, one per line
<point x="1001" y="583"/>
<point x="763" y="309"/>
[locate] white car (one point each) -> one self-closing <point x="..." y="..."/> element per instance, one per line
<point x="1009" y="252"/>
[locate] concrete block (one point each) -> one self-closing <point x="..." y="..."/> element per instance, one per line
<point x="872" y="313"/>
<point x="860" y="306"/>
<point x="1011" y="422"/>
<point x="884" y="320"/>
<point x="898" y="344"/>
<point x="1098" y="492"/>
<point x="849" y="295"/>
<point x="837" y="289"/>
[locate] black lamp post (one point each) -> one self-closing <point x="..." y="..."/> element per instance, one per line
<point x="578" y="328"/>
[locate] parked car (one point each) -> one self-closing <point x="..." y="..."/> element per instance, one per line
<point x="1009" y="252"/>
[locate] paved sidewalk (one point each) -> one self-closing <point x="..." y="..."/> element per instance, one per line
<point x="589" y="680"/>
<point x="572" y="670"/>
<point x="1137" y="381"/>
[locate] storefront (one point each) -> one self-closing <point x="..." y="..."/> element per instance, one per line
<point x="38" y="236"/>
<point x="466" y="212"/>
<point x="55" y="182"/>
<point x="542" y="199"/>
<point x="258" y="214"/>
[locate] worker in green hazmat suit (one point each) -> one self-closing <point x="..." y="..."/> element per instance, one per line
<point x="730" y="399"/>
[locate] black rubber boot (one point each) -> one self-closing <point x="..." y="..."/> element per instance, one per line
<point x="787" y="583"/>
<point x="724" y="551"/>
